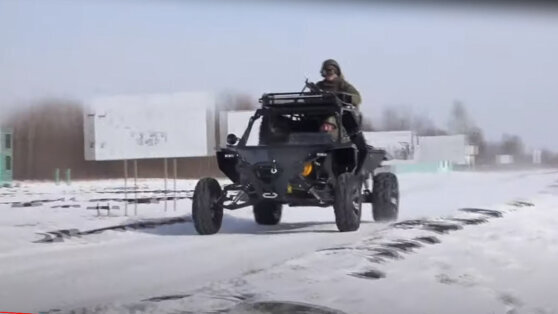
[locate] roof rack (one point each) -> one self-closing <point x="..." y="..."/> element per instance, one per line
<point x="297" y="99"/>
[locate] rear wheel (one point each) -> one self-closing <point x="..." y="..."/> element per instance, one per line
<point x="267" y="212"/>
<point x="206" y="214"/>
<point x="385" y="197"/>
<point x="348" y="202"/>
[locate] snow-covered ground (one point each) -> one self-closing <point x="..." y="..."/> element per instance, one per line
<point x="437" y="260"/>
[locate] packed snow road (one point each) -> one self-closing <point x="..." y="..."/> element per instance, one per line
<point x="81" y="269"/>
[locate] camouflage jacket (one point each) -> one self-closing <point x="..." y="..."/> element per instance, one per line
<point x="339" y="84"/>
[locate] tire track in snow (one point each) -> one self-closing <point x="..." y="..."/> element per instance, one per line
<point x="376" y="250"/>
<point x="60" y="235"/>
<point x="379" y="253"/>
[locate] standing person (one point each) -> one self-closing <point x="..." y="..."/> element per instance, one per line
<point x="335" y="81"/>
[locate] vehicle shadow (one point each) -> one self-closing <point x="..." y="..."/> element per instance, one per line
<point x="239" y="225"/>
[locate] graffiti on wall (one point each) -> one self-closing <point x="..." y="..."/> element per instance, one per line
<point x="151" y="138"/>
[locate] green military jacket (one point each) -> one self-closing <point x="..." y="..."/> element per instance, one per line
<point x="339" y="84"/>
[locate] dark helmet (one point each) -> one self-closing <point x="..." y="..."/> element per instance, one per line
<point x="330" y="65"/>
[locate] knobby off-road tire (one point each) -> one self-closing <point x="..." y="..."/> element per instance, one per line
<point x="207" y="216"/>
<point x="267" y="212"/>
<point x="348" y="202"/>
<point x="385" y="197"/>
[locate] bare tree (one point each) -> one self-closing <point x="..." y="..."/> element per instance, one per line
<point x="395" y="120"/>
<point x="549" y="158"/>
<point x="367" y="124"/>
<point x="237" y="101"/>
<point x="424" y="126"/>
<point x="512" y="145"/>
<point x="460" y="122"/>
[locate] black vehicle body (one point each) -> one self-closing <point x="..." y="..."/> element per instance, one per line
<point x="296" y="163"/>
<point x="273" y="171"/>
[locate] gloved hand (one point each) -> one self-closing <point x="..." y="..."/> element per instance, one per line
<point x="312" y="86"/>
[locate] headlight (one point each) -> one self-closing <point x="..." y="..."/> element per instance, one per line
<point x="307" y="169"/>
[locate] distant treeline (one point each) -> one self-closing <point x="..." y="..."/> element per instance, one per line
<point x="460" y="122"/>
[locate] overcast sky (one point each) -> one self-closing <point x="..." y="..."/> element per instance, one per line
<point x="503" y="64"/>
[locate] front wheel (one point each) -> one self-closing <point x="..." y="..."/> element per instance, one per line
<point x="385" y="197"/>
<point x="348" y="202"/>
<point x="267" y="212"/>
<point x="206" y="213"/>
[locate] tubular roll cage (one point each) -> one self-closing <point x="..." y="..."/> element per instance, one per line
<point x="328" y="102"/>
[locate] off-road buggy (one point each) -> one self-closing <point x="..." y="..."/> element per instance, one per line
<point x="305" y="157"/>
